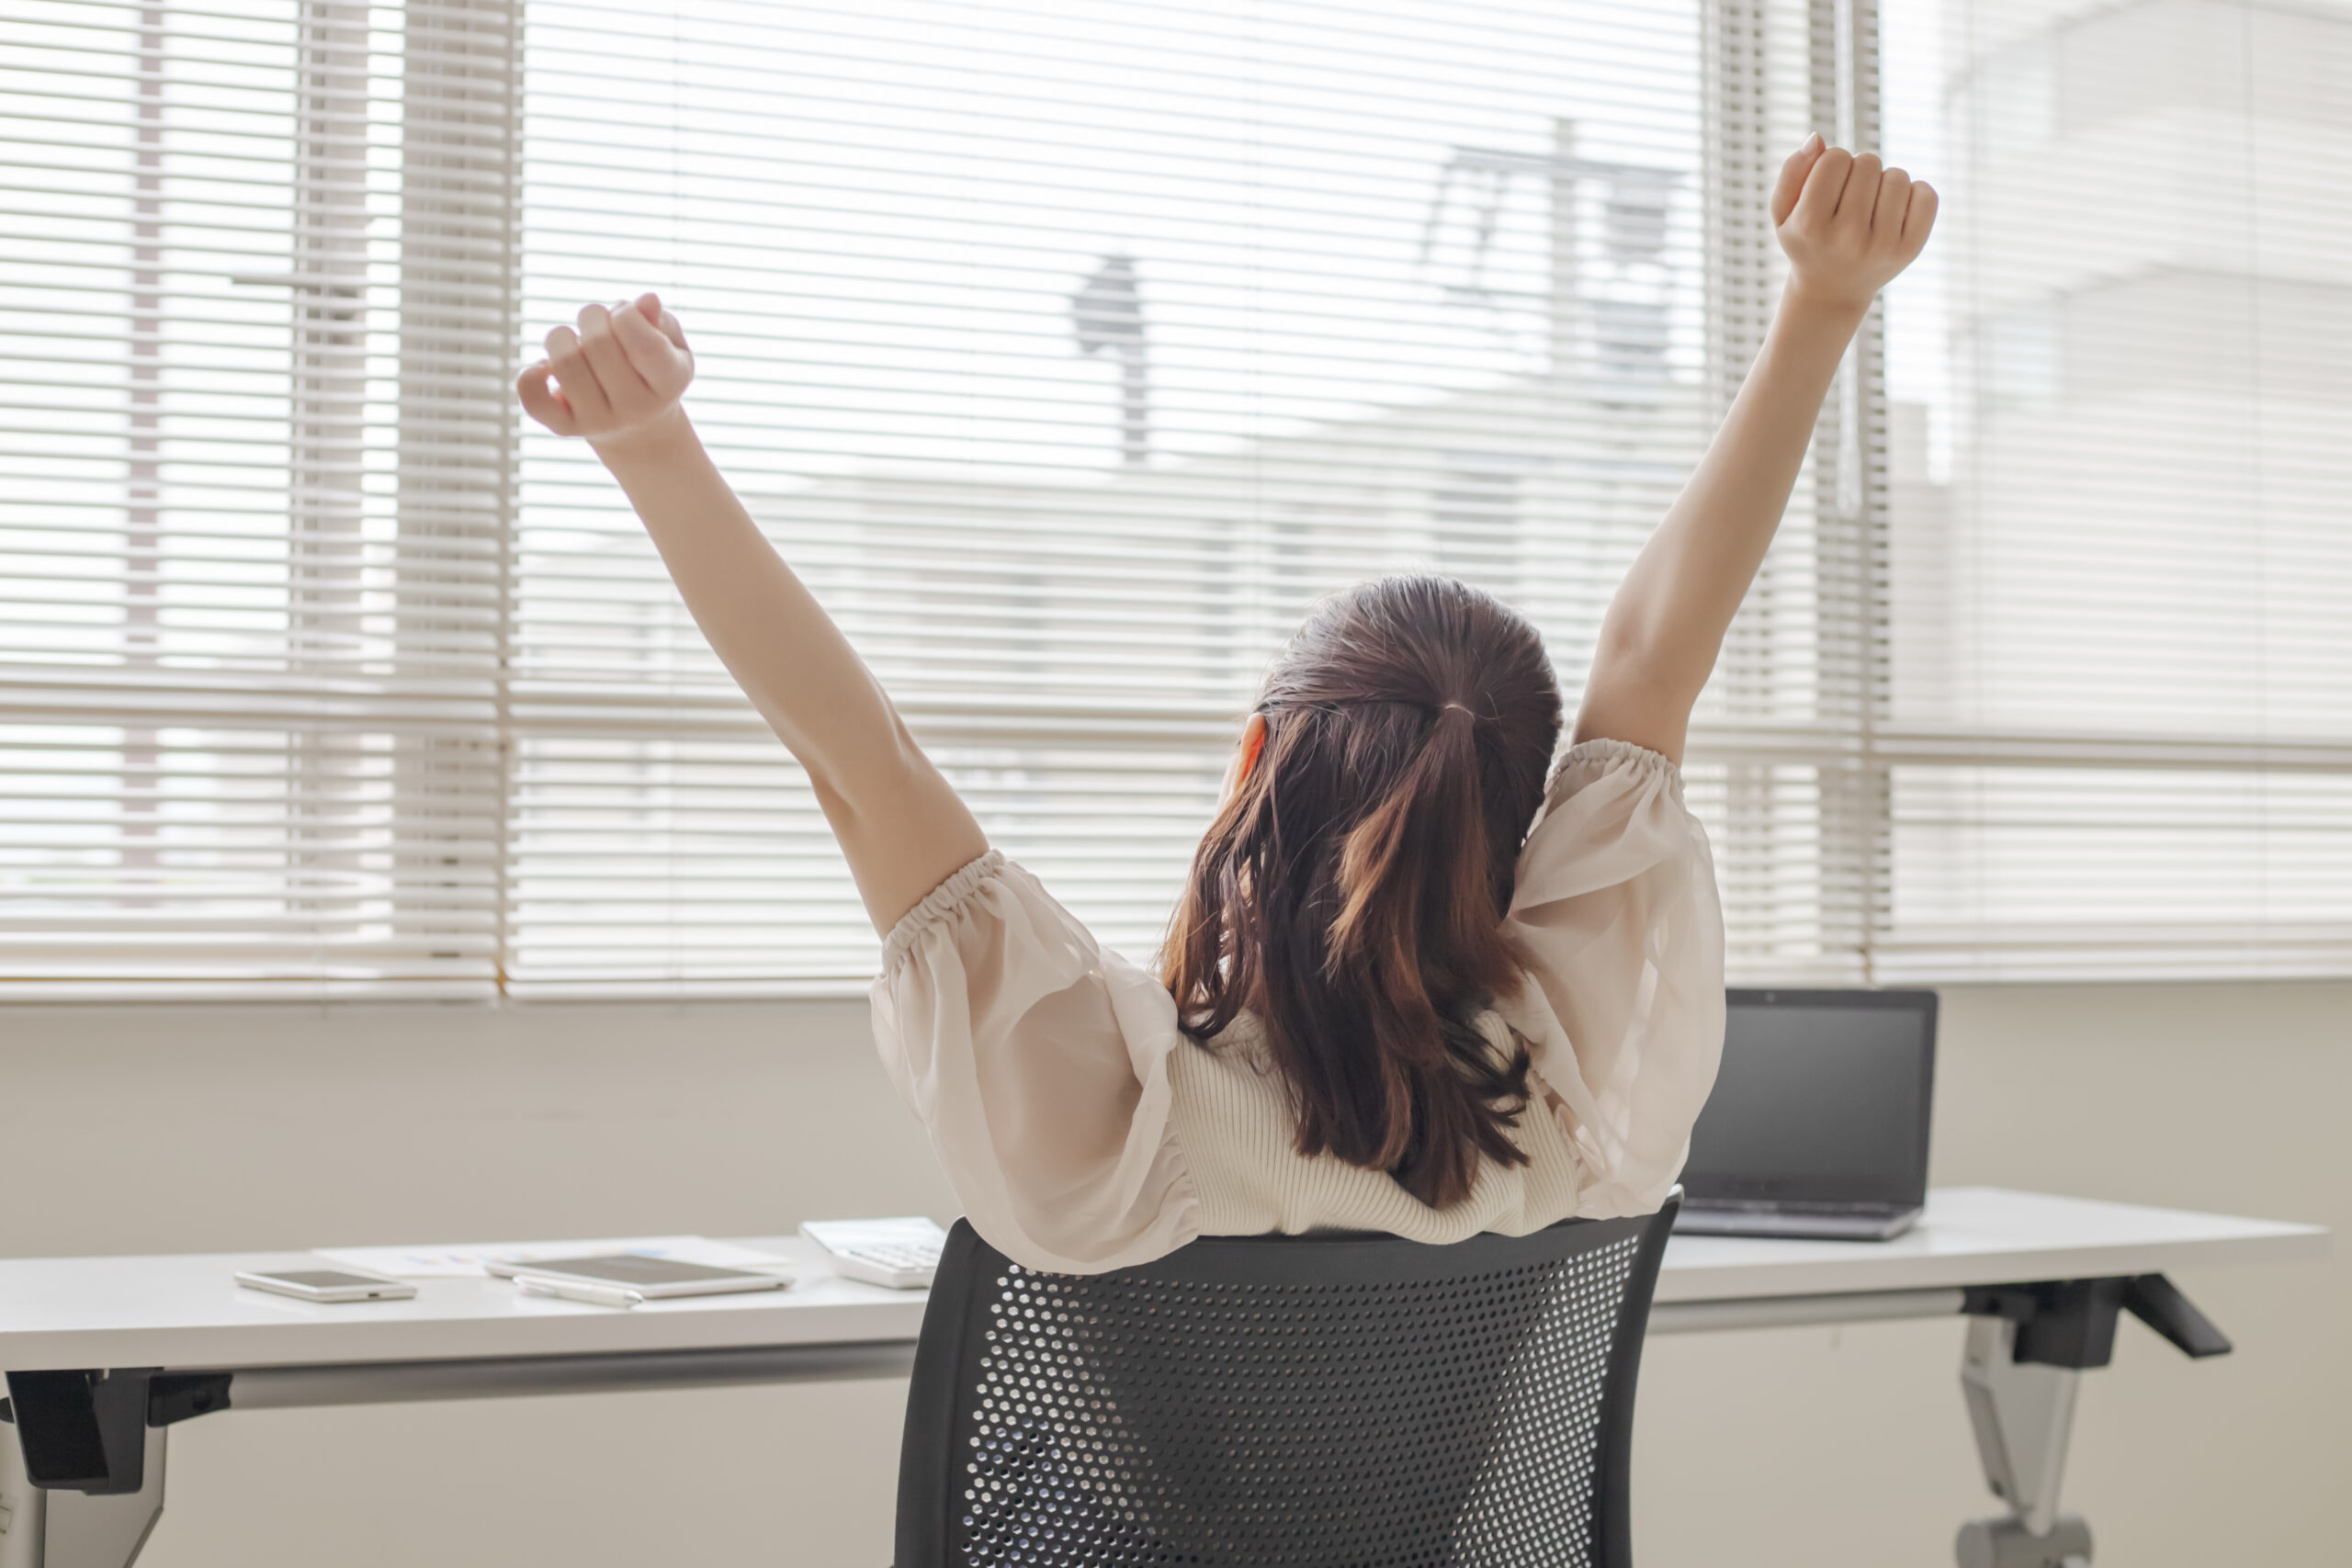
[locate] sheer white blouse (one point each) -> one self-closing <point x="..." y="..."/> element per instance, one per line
<point x="1084" y="1132"/>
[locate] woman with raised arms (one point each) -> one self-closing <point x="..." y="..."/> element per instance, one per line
<point x="1423" y="978"/>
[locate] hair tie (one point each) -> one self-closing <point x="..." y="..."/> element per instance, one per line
<point x="1463" y="707"/>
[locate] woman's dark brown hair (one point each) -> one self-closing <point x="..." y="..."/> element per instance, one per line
<point x="1351" y="894"/>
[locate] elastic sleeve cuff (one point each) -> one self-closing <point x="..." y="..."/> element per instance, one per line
<point x="1588" y="759"/>
<point x="940" y="906"/>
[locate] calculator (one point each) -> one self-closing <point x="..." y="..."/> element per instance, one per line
<point x="902" y="1253"/>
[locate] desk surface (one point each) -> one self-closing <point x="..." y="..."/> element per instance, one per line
<point x="1979" y="1236"/>
<point x="186" y="1312"/>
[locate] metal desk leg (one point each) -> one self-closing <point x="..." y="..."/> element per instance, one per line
<point x="2029" y="1346"/>
<point x="2023" y="1413"/>
<point x="72" y="1529"/>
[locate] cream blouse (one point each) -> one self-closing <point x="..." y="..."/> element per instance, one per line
<point x="1083" y="1131"/>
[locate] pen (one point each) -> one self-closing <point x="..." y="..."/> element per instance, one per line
<point x="595" y="1295"/>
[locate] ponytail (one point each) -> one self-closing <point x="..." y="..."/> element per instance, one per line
<point x="1350" y="895"/>
<point x="1427" y="829"/>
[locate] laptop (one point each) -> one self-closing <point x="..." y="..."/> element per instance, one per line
<point x="1817" y="1126"/>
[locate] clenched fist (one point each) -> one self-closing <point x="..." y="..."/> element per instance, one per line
<point x="621" y="370"/>
<point x="1846" y="224"/>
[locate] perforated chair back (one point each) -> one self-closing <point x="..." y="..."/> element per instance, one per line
<point x="1281" y="1401"/>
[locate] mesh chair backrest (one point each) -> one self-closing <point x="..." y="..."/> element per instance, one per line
<point x="1344" y="1402"/>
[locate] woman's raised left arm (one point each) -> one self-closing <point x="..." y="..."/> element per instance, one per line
<point x="1848" y="227"/>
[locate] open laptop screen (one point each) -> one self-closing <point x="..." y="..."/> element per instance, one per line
<point x="1823" y="1097"/>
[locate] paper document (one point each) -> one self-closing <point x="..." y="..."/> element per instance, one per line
<point x="456" y="1259"/>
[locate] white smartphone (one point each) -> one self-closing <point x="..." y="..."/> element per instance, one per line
<point x="328" y="1285"/>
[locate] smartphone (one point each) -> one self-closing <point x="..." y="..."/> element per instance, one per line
<point x="328" y="1285"/>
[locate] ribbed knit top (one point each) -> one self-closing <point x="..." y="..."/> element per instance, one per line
<point x="1083" y="1131"/>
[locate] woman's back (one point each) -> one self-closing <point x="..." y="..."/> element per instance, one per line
<point x="1083" y="1129"/>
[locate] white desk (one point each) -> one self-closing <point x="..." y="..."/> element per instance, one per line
<point x="184" y="1319"/>
<point x="1969" y="1236"/>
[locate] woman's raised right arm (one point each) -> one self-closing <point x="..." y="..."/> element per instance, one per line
<point x="616" y="380"/>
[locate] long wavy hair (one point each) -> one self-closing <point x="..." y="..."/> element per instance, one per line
<point x="1350" y="895"/>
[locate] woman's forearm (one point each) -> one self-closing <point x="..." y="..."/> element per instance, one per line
<point x="1666" y="626"/>
<point x="900" y="824"/>
<point x="1848" y="226"/>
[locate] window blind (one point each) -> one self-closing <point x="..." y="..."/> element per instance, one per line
<point x="2119" y="735"/>
<point x="1070" y="352"/>
<point x="250" y="487"/>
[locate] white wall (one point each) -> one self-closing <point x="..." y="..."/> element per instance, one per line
<point x="189" y="1129"/>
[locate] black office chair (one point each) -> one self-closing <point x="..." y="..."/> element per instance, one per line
<point x="1277" y="1402"/>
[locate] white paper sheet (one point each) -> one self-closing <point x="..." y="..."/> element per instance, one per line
<point x="456" y="1259"/>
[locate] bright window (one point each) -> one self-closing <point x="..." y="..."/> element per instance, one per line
<point x="2120" y="722"/>
<point x="1070" y="350"/>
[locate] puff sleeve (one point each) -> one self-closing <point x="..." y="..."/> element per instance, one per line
<point x="1039" y="1064"/>
<point x="1620" y="927"/>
